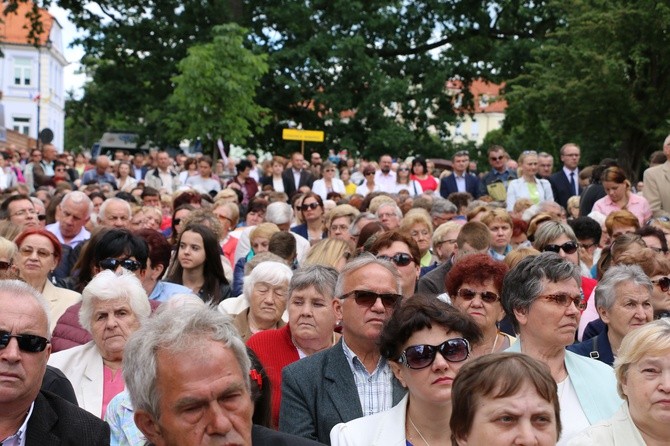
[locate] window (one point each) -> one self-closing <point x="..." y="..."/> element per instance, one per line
<point x="21" y="124"/>
<point x="23" y="69"/>
<point x="474" y="129"/>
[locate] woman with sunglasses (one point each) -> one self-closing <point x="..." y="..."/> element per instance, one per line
<point x="405" y="182"/>
<point x="312" y="214"/>
<point x="474" y="284"/>
<point x="113" y="307"/>
<point x="38" y="253"/>
<point x="422" y="177"/>
<point x="542" y="297"/>
<point x="558" y="237"/>
<point x="426" y="342"/>
<point x="368" y="186"/>
<point x="328" y="183"/>
<point x="528" y="185"/>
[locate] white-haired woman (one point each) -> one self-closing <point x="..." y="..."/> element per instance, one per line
<point x="113" y="307"/>
<point x="643" y="380"/>
<point x="266" y="290"/>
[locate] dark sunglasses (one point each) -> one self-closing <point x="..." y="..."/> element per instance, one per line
<point x="403" y="169"/>
<point x="369" y="298"/>
<point x="27" y="342"/>
<point x="421" y="356"/>
<point x="400" y="259"/>
<point x="113" y="264"/>
<point x="311" y="206"/>
<point x="567" y="247"/>
<point x="487" y="296"/>
<point x="176" y="221"/>
<point x="41" y="217"/>
<point x="4" y="266"/>
<point x="663" y="283"/>
<point x="497" y="158"/>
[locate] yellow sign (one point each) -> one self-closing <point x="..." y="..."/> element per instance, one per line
<point x="302" y="135"/>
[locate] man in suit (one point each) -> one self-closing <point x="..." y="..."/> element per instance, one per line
<point x="350" y="379"/>
<point x="565" y="182"/>
<point x="29" y="416"/>
<point x="139" y="169"/>
<point x="460" y="180"/>
<point x="297" y="179"/>
<point x="187" y="372"/>
<point x="657" y="183"/>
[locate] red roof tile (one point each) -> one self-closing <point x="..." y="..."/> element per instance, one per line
<point x="16" y="25"/>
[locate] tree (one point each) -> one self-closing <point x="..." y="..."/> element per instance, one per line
<point x="214" y="92"/>
<point x="600" y="81"/>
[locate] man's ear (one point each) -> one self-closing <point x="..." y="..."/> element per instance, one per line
<point x="148" y="426"/>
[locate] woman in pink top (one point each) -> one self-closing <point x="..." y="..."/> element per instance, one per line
<point x="619" y="196"/>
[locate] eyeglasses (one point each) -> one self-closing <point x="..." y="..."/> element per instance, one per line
<point x="403" y="169"/>
<point x="311" y="206"/>
<point x="368" y="298"/>
<point x="223" y="217"/>
<point x="588" y="245"/>
<point x="421" y="356"/>
<point x="336" y="228"/>
<point x="496" y="158"/>
<point x="529" y="152"/>
<point x="27" y="342"/>
<point x="399" y="259"/>
<point x="663" y="283"/>
<point x="23" y="212"/>
<point x="567" y="247"/>
<point x="658" y="250"/>
<point x="27" y="251"/>
<point x="369" y="173"/>
<point x="4" y="266"/>
<point x="487" y="296"/>
<point x="565" y="300"/>
<point x="571" y="154"/>
<point x="113" y="264"/>
<point x="661" y="219"/>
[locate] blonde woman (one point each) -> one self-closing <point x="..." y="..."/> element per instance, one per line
<point x="528" y="185"/>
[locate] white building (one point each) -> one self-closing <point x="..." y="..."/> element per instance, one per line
<point x="31" y="78"/>
<point x="487" y="114"/>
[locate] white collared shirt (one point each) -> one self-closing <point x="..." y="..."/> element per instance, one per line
<point x="386" y="182"/>
<point x="460" y="182"/>
<point x="296" y="178"/>
<point x="19" y="438"/>
<point x="83" y="235"/>
<point x="567" y="174"/>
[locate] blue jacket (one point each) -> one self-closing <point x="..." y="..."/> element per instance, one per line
<point x="597" y="347"/>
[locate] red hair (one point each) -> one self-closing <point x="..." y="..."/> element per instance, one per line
<point x="58" y="251"/>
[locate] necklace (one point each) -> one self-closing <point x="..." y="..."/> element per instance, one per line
<point x="495" y="343"/>
<point x="416" y="429"/>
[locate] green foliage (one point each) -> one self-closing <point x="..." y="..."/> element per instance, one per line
<point x="214" y="92"/>
<point x="600" y="81"/>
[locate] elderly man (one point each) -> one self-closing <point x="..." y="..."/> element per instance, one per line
<point x="43" y="170"/>
<point x="385" y="177"/>
<point x="442" y="211"/>
<point x="545" y="165"/>
<point x="29" y="416"/>
<point x="72" y="214"/>
<point x="163" y="177"/>
<point x="389" y="215"/>
<point x="657" y="183"/>
<point x="350" y="379"/>
<point x="115" y="212"/>
<point x="187" y="372"/>
<point x="565" y="183"/>
<point x="20" y="211"/>
<point x="100" y="174"/>
<point x="623" y="300"/>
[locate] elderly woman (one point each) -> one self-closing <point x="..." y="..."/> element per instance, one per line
<point x="642" y="369"/>
<point x="259" y="241"/>
<point x="505" y="399"/>
<point x="474" y="285"/>
<point x="624" y="302"/>
<point x="500" y="224"/>
<point x="265" y="290"/>
<point x="311" y="320"/>
<point x="7" y="252"/>
<point x="38" y="254"/>
<point x="228" y="215"/>
<point x="329" y="182"/>
<point x="542" y="296"/>
<point x="418" y="225"/>
<point x="113" y="307"/>
<point x="339" y="220"/>
<point x="426" y="342"/>
<point x="444" y="240"/>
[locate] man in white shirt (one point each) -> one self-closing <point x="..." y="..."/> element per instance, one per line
<point x="71" y="216"/>
<point x="163" y="177"/>
<point x="565" y="183"/>
<point x="385" y="177"/>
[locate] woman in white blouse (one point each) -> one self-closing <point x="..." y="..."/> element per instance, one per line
<point x="527" y="185"/>
<point x="328" y="183"/>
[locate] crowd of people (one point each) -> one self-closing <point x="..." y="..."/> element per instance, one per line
<point x="158" y="299"/>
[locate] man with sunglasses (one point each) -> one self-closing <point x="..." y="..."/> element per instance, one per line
<point x="29" y="416"/>
<point x="499" y="173"/>
<point x="350" y="379"/>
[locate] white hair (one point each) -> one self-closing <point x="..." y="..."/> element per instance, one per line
<point x="272" y="273"/>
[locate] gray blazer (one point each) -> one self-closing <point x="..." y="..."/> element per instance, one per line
<point x="319" y="392"/>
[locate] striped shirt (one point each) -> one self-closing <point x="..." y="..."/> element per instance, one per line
<point x="375" y="389"/>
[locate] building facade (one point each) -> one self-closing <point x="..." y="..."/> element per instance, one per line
<point x="31" y="77"/>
